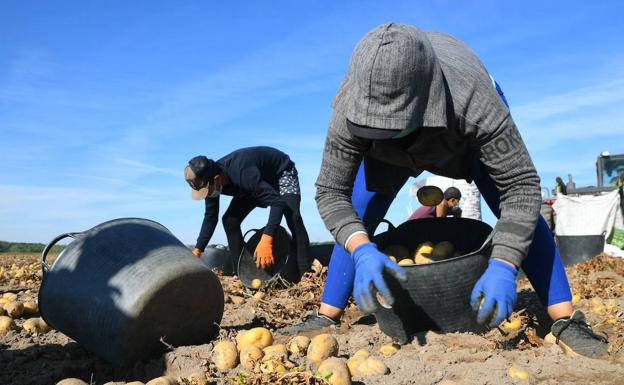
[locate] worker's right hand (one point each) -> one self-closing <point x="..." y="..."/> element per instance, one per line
<point x="197" y="252"/>
<point x="370" y="263"/>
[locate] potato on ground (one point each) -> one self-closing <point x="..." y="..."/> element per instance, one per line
<point x="6" y="324"/>
<point x="71" y="381"/>
<point x="335" y="371"/>
<point x="225" y="355"/>
<point x="321" y="348"/>
<point x="260" y="337"/>
<point x="249" y="356"/>
<point x="31" y="308"/>
<point x="275" y="352"/>
<point x="299" y="345"/>
<point x="362" y="367"/>
<point x="389" y="349"/>
<point x="14" y="309"/>
<point x="162" y="381"/>
<point x="36" y="326"/>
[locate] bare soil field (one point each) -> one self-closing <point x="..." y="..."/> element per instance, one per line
<point x="29" y="357"/>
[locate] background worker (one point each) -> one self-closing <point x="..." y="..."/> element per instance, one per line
<point x="448" y="206"/>
<point x="254" y="177"/>
<point x="414" y="101"/>
<point x="560" y="187"/>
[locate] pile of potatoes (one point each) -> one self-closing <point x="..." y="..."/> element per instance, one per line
<point x="255" y="352"/>
<point x="26" y="275"/>
<point x="12" y="309"/>
<point x="426" y="252"/>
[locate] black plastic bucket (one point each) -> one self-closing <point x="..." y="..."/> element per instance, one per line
<point x="282" y="248"/>
<point x="578" y="248"/>
<point x="120" y="287"/>
<point x="217" y="256"/>
<point x="436" y="295"/>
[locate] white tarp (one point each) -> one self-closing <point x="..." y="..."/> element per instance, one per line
<point x="586" y="215"/>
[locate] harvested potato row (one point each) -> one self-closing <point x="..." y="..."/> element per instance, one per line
<point x="14" y="309"/>
<point x="250" y="356"/>
<point x="299" y="345"/>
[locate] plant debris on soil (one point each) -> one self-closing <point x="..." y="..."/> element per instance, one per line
<point x="430" y="358"/>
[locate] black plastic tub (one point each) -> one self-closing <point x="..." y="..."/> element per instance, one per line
<point x="579" y="248"/>
<point x="282" y="248"/>
<point x="436" y="295"/>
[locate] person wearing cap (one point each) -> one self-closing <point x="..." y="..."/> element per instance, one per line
<point x="254" y="177"/>
<point x="415" y="101"/>
<point x="448" y="206"/>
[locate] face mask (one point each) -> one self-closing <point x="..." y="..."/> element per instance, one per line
<point x="455" y="209"/>
<point x="216" y="191"/>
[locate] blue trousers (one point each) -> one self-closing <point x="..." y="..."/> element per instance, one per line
<point x="542" y="266"/>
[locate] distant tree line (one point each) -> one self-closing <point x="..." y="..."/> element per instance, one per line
<point x="21" y="247"/>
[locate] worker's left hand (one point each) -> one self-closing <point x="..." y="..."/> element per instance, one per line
<point x="264" y="252"/>
<point x="494" y="295"/>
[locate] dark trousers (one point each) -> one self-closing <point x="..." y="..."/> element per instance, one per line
<point x="238" y="210"/>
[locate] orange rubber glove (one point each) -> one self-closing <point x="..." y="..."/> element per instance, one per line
<point x="264" y="252"/>
<point x="197" y="252"/>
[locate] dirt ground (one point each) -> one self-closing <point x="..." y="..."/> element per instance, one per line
<point x="431" y="358"/>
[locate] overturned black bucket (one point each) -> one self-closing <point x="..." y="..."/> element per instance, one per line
<point x="247" y="270"/>
<point x="579" y="248"/>
<point x="436" y="295"/>
<point x="216" y="256"/>
<point x="123" y="287"/>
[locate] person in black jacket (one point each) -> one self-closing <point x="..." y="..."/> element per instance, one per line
<point x="254" y="177"/>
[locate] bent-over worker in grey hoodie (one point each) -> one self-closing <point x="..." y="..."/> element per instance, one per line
<point x="413" y="101"/>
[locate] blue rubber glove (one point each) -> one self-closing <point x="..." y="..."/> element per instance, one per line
<point x="497" y="287"/>
<point x="369" y="266"/>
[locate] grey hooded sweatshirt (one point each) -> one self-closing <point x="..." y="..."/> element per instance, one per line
<point x="435" y="93"/>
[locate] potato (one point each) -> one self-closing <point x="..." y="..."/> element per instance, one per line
<point x="31" y="325"/>
<point x="260" y="337"/>
<point x="6" y="324"/>
<point x="275" y="352"/>
<point x="135" y="383"/>
<point x="321" y="348"/>
<point x="256" y="283"/>
<point x="236" y="300"/>
<point x="429" y="195"/>
<point x="10" y="297"/>
<point x="335" y="371"/>
<point x="259" y="296"/>
<point x="443" y="250"/>
<point x="397" y="251"/>
<point x="273" y="366"/>
<point x="389" y="349"/>
<point x="406" y="261"/>
<point x="513" y="324"/>
<point x="422" y="260"/>
<point x="198" y="378"/>
<point x="31" y="308"/>
<point x="517" y="373"/>
<point x="299" y="345"/>
<point x="14" y="309"/>
<point x="4" y="300"/>
<point x="225" y="355"/>
<point x="362" y="353"/>
<point x="392" y="259"/>
<point x="424" y="249"/>
<point x="366" y="367"/>
<point x="249" y="356"/>
<point x="71" y="381"/>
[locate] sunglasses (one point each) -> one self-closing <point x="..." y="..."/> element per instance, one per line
<point x="197" y="184"/>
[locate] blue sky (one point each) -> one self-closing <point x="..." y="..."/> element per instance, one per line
<point x="103" y="103"/>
